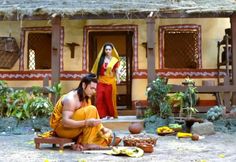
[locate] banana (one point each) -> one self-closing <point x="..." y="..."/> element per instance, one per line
<point x="184" y="135"/>
<point x="164" y="129"/>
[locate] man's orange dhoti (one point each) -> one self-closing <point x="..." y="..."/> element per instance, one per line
<point x="84" y="135"/>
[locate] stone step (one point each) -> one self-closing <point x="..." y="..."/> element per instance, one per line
<point x="122" y="123"/>
<point x="126" y="112"/>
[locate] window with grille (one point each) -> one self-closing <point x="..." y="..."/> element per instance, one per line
<point x="39" y="51"/>
<point x="180" y="46"/>
<point x="123" y="69"/>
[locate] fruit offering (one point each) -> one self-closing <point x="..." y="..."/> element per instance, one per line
<point x="164" y="130"/>
<point x="184" y="135"/>
<point x="130" y="151"/>
<point x="175" y="127"/>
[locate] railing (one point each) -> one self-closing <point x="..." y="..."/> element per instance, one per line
<point x="226" y="89"/>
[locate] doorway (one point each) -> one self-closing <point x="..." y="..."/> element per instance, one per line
<point x="122" y="40"/>
<point x="39" y="48"/>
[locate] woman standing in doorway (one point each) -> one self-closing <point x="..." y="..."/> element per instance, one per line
<point x="106" y="67"/>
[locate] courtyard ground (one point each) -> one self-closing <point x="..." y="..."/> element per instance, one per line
<point x="219" y="147"/>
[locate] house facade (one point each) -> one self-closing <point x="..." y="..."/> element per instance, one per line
<point x="62" y="43"/>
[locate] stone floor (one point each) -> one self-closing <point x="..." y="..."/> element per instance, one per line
<point x="219" y="147"/>
<point x="215" y="148"/>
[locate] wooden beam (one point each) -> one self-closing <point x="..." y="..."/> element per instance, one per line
<point x="233" y="44"/>
<point x="205" y="89"/>
<point x="227" y="95"/>
<point x="56" y="30"/>
<point x="151" y="35"/>
<point x="72" y="48"/>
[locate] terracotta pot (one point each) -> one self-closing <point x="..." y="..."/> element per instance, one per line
<point x="135" y="128"/>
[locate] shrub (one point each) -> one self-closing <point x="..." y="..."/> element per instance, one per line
<point x="214" y="113"/>
<point x="158" y="99"/>
<point x="23" y="105"/>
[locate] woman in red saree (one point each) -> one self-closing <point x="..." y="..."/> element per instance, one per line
<point x="106" y="67"/>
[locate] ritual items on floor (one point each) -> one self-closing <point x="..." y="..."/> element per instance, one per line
<point x="119" y="150"/>
<point x="143" y="141"/>
<point x="147" y="148"/>
<point x="184" y="135"/>
<point x="164" y="130"/>
<point x="195" y="137"/>
<point x="135" y="128"/>
<point x="133" y="140"/>
<point x="130" y="151"/>
<point x="175" y="127"/>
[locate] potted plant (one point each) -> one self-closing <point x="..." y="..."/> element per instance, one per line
<point x="159" y="110"/>
<point x="187" y="102"/>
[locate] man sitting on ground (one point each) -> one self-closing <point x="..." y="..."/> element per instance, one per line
<point x="75" y="118"/>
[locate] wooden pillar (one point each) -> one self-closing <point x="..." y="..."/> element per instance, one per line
<point x="227" y="95"/>
<point x="56" y="32"/>
<point x="233" y="44"/>
<point x="151" y="35"/>
<point x="45" y="84"/>
<point x="56" y="29"/>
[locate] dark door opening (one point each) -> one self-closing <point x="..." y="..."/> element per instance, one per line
<point x="39" y="51"/>
<point x="122" y="40"/>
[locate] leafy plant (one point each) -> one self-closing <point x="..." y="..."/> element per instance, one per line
<point x="3" y="87"/>
<point x="40" y="106"/>
<point x="56" y="89"/>
<point x="148" y="113"/>
<point x="5" y="91"/>
<point x="36" y="91"/>
<point x="187" y="100"/>
<point x="17" y="105"/>
<point x="23" y="105"/>
<point x="177" y="101"/>
<point x="158" y="99"/>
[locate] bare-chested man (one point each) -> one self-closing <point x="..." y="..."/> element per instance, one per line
<point x="74" y="117"/>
